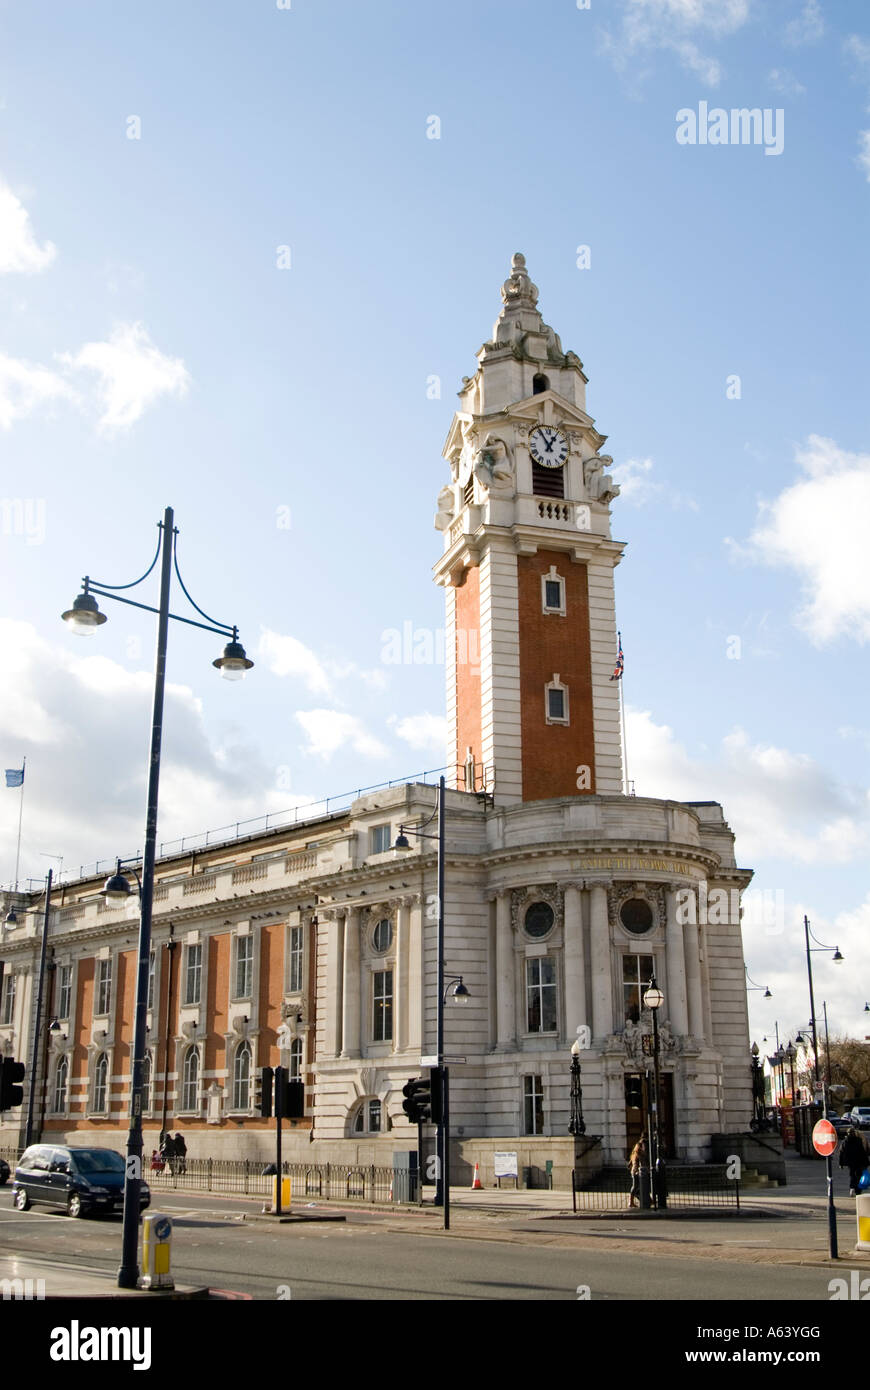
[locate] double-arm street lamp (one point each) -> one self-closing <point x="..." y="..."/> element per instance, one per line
<point x="459" y="994"/>
<point x="84" y="618"/>
<point x="835" y="951"/>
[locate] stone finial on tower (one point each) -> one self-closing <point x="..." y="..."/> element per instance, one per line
<point x="518" y="288"/>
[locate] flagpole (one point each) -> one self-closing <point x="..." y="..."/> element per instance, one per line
<point x="20" y="814"/>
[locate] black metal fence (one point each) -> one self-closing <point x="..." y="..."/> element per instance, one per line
<point x="695" y="1185"/>
<point x="320" y="1182"/>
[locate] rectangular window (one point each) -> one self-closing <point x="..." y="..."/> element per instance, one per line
<point x="193" y="974"/>
<point x="533" y="1105"/>
<point x="8" y="999"/>
<point x="556" y="704"/>
<point x="294" y="981"/>
<point x="553" y="593"/>
<point x="382" y="1022"/>
<point x="541" y="995"/>
<point x="104" y="986"/>
<point x="637" y="971"/>
<point x="380" y="839"/>
<point x="295" y="1068"/>
<point x="244" y="966"/>
<point x="152" y="967"/>
<point x="64" y="990"/>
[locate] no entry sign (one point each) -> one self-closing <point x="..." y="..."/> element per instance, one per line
<point x="824" y="1138"/>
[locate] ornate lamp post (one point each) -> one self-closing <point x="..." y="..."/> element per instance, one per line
<point x="653" y="1000"/>
<point x="577" y="1124"/>
<point x="84" y="618"/>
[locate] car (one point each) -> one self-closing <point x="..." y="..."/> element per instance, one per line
<point x="841" y="1123"/>
<point x="5" y="1171"/>
<point x="81" y="1180"/>
<point x="859" y="1116"/>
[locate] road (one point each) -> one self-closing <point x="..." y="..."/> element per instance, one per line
<point x="385" y="1257"/>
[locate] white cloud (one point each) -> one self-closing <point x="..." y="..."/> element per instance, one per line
<point x="638" y="487"/>
<point x="287" y="656"/>
<point x="785" y="82"/>
<point x="19" y="250"/>
<point x="26" y="387"/>
<point x="82" y="721"/>
<point x="817" y="526"/>
<point x="132" y="374"/>
<point x="674" y="25"/>
<point x="807" y="27"/>
<point x="779" y="804"/>
<point x="328" y="730"/>
<point x="422" y="730"/>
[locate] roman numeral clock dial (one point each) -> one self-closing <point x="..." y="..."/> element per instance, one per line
<point x="548" y="446"/>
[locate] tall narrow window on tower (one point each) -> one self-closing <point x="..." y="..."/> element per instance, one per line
<point x="553" y="592"/>
<point x="556" y="696"/>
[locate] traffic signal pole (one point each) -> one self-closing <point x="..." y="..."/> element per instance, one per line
<point x="279" y="1092"/>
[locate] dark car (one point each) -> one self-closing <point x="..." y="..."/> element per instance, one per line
<point x="4" y="1172"/>
<point x="81" y="1180"/>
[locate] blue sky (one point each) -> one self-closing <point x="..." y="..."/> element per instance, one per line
<point x="157" y="349"/>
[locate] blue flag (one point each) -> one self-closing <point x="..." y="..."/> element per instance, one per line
<point x="15" y="776"/>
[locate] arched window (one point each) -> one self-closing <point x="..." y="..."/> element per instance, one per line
<point x="61" y="1072"/>
<point x="101" y="1075"/>
<point x="146" y="1082"/>
<point x="368" y="1118"/>
<point x="242" y="1077"/>
<point x="190" y="1081"/>
<point x="540" y="383"/>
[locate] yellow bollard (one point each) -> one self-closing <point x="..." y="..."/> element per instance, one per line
<point x="285" y="1194"/>
<point x="862" y="1208"/>
<point x="156" y="1251"/>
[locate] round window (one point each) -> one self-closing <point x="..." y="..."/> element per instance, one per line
<point x="382" y="935"/>
<point x="539" y="919"/>
<point x="636" y="916"/>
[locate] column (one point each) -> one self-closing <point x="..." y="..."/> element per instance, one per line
<point x="602" y="988"/>
<point x="676" y="1000"/>
<point x="332" y="1003"/>
<point x="693" y="980"/>
<point x="505" y="976"/>
<point x="400" y="985"/>
<point x="350" y="1012"/>
<point x="575" y="965"/>
<point x="415" y="976"/>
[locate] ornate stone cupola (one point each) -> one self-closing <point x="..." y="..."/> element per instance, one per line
<point x="528" y="570"/>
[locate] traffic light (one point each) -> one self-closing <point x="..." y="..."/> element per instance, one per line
<point x="289" y="1097"/>
<point x="263" y="1092"/>
<point x="418" y="1103"/>
<point x="11" y="1073"/>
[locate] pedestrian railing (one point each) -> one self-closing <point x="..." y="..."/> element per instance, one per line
<point x="254" y="1178"/>
<point x="687" y="1185"/>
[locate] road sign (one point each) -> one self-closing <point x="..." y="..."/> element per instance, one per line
<point x="824" y="1138"/>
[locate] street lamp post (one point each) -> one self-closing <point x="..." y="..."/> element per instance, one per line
<point x="653" y="1000"/>
<point x="84" y="618"/>
<point x="577" y="1124"/>
<point x="460" y="995"/>
<point x="819" y="946"/>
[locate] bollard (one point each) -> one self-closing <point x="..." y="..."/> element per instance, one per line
<point x="285" y="1193"/>
<point x="862" y="1209"/>
<point x="156" y="1251"/>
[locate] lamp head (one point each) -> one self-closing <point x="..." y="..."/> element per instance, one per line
<point x="837" y="957"/>
<point x="84" y="617"/>
<point x="117" y="888"/>
<point x="459" y="993"/>
<point x="402" y="841"/>
<point x="234" y="663"/>
<point x="11" y="918"/>
<point x="653" y="998"/>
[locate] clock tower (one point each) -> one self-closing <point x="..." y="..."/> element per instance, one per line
<point x="527" y="571"/>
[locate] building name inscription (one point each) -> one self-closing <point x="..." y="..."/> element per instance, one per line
<point x="638" y="863"/>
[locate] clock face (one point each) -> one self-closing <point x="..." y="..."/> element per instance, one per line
<point x="548" y="446"/>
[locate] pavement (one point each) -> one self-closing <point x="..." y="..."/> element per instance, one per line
<point x="519" y="1216"/>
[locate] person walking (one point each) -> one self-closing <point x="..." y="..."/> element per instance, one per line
<point x="181" y="1152"/>
<point x="167" y="1153"/>
<point x="854" y="1156"/>
<point x="637" y="1161"/>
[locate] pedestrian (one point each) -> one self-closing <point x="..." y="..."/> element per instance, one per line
<point x="636" y="1162"/>
<point x="854" y="1156"/>
<point x="167" y="1153"/>
<point x="181" y="1152"/>
<point x="156" y="1162"/>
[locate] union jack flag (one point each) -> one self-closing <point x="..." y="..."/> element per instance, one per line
<point x="620" y="660"/>
<point x="14" y="776"/>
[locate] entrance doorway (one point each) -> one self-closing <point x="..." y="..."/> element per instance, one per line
<point x="639" y="1088"/>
